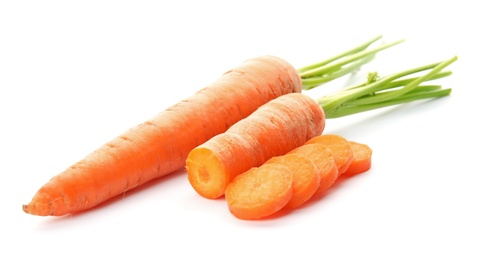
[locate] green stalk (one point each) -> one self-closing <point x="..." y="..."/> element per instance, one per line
<point x="387" y="91"/>
<point x="341" y="64"/>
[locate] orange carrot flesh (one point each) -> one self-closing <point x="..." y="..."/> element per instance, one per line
<point x="306" y="177"/>
<point x="160" y="146"/>
<point x="362" y="155"/>
<point x="274" y="129"/>
<point x="340" y="147"/>
<point x="324" y="161"/>
<point x="260" y="191"/>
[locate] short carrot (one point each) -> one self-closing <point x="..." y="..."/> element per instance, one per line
<point x="260" y="191"/>
<point x="274" y="129"/>
<point x="306" y="177"/>
<point x="212" y="165"/>
<point x="361" y="162"/>
<point x="340" y="147"/>
<point x="323" y="158"/>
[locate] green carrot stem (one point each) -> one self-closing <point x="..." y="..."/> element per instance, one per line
<point x="330" y="67"/>
<point x="387" y="91"/>
<point x="349" y="110"/>
<point x="312" y="82"/>
<point x="339" y="65"/>
<point x="341" y="55"/>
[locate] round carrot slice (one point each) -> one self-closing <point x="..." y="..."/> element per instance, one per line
<point x="362" y="154"/>
<point x="324" y="161"/>
<point x="342" y="153"/>
<point x="260" y="191"/>
<point x="306" y="177"/>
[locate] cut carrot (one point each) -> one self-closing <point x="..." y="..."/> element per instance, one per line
<point x="274" y="129"/>
<point x="159" y="146"/>
<point x="362" y="154"/>
<point x="306" y="177"/>
<point x="340" y="147"/>
<point x="260" y="191"/>
<point x="324" y="161"/>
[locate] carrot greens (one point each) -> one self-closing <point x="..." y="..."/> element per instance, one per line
<point x="378" y="92"/>
<point x="342" y="64"/>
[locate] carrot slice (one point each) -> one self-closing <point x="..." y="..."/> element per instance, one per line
<point x="324" y="161"/>
<point x="361" y="162"/>
<point x="342" y="153"/>
<point x="306" y="177"/>
<point x="260" y="191"/>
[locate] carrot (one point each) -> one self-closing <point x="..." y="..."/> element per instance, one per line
<point x="340" y="147"/>
<point x="361" y="162"/>
<point x="249" y="143"/>
<point x="324" y="161"/>
<point x="160" y="145"/>
<point x="274" y="129"/>
<point x="260" y="191"/>
<point x="306" y="177"/>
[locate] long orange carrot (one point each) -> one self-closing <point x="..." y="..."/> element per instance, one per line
<point x="160" y="146"/>
<point x="274" y="129"/>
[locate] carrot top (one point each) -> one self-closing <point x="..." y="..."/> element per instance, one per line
<point x="341" y="64"/>
<point x="378" y="92"/>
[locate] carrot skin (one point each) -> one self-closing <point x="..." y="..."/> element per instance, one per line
<point x="160" y="145"/>
<point x="274" y="129"/>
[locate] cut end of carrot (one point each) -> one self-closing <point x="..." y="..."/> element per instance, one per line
<point x="361" y="162"/>
<point x="206" y="173"/>
<point x="260" y="191"/>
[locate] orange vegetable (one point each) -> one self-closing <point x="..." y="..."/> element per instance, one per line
<point x="274" y="129"/>
<point x="340" y="147"/>
<point x="306" y="177"/>
<point x="260" y="191"/>
<point x="324" y="161"/>
<point x="159" y="146"/>
<point x="361" y="162"/>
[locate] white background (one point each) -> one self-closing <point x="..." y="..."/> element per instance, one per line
<point x="75" y="74"/>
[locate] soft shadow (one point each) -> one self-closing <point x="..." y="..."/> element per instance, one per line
<point x="131" y="193"/>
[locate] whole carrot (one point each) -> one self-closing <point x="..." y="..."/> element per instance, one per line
<point x="160" y="145"/>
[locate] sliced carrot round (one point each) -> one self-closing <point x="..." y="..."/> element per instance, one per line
<point x="306" y="177"/>
<point x="362" y="154"/>
<point x="260" y="191"/>
<point x="324" y="161"/>
<point x="342" y="153"/>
